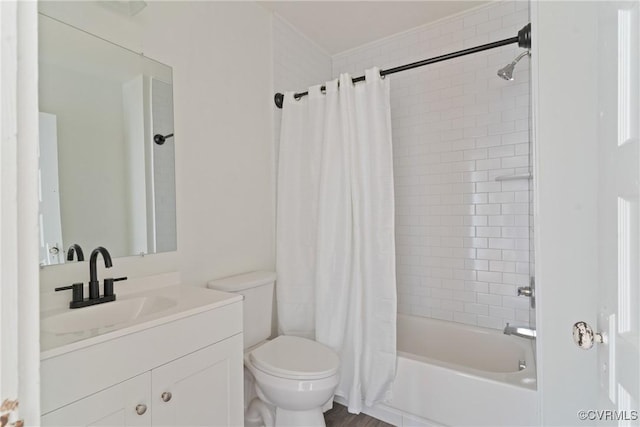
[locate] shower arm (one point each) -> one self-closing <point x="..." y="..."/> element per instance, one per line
<point x="519" y="57"/>
<point x="523" y="39"/>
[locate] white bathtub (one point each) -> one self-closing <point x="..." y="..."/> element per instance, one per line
<point x="458" y="375"/>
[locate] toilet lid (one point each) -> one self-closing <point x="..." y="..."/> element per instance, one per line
<point x="294" y="357"/>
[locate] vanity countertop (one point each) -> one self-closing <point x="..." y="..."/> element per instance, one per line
<point x="64" y="330"/>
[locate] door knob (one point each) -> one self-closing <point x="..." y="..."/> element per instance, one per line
<point x="584" y="337"/>
<point x="166" y="396"/>
<point x="141" y="409"/>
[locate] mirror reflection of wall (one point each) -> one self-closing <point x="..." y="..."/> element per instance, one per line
<point x="164" y="167"/>
<point x="100" y="107"/>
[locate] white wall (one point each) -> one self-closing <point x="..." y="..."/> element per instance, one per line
<point x="297" y="64"/>
<point x="462" y="238"/>
<point x="221" y="58"/>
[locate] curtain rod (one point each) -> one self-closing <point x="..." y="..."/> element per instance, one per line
<point x="523" y="39"/>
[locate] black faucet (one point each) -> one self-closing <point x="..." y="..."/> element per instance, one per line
<point x="78" y="299"/>
<point x="94" y="285"/>
<point x="77" y="250"/>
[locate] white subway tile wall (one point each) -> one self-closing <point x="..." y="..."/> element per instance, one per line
<point x="462" y="238"/>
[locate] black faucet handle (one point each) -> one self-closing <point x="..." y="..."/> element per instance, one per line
<point x="77" y="290"/>
<point x="108" y="285"/>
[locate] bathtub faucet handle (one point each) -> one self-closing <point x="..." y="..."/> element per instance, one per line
<point x="525" y="291"/>
<point x="529" y="291"/>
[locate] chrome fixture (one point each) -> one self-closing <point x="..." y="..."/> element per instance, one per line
<point x="522" y="365"/>
<point x="525" y="291"/>
<point x="520" y="331"/>
<point x="529" y="291"/>
<point x="506" y="72"/>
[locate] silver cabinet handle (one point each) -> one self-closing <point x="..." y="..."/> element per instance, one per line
<point x="166" y="396"/>
<point x="584" y="337"/>
<point x="141" y="409"/>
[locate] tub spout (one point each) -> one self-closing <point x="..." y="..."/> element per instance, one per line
<point x="520" y="331"/>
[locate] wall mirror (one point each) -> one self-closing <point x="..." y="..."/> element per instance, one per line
<point x="103" y="179"/>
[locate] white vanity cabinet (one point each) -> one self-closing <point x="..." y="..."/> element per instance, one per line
<point x="182" y="371"/>
<point x="124" y="404"/>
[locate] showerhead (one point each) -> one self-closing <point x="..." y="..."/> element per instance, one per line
<point x="506" y="72"/>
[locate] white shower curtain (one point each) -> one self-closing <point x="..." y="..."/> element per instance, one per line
<point x="335" y="230"/>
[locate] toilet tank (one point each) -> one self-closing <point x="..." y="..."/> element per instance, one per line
<point x="257" y="289"/>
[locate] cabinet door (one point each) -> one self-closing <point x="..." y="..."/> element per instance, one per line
<point x="203" y="388"/>
<point x="114" y="406"/>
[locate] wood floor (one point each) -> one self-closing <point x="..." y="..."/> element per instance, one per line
<point x="339" y="417"/>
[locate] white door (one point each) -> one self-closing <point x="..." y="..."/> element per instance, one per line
<point x="125" y="404"/>
<point x="201" y="389"/>
<point x="618" y="216"/>
<point x="586" y="120"/>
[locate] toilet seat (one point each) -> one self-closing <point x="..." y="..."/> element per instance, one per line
<point x="295" y="358"/>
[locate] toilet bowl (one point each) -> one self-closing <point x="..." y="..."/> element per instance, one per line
<point x="293" y="377"/>
<point x="296" y="376"/>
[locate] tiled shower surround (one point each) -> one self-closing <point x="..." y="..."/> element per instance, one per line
<point x="462" y="238"/>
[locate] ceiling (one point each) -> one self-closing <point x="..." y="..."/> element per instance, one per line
<point x="337" y="26"/>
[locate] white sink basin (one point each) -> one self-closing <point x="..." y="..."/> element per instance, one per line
<point x="142" y="304"/>
<point x="105" y="315"/>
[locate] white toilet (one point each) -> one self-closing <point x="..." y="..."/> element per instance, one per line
<point x="294" y="377"/>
